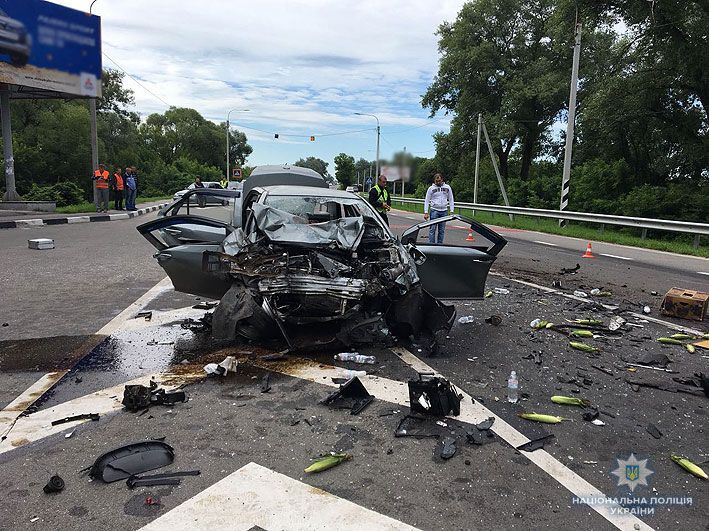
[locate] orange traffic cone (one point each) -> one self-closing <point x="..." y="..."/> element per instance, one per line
<point x="589" y="252"/>
<point x="470" y="236"/>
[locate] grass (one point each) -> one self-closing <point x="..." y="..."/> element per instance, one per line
<point x="90" y="207"/>
<point x="681" y="244"/>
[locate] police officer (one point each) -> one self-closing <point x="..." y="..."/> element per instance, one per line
<point x="379" y="197"/>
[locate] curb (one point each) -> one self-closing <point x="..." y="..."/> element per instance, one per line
<point x="29" y="223"/>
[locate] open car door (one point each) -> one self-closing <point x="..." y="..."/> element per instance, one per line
<point x="449" y="271"/>
<point x="181" y="242"/>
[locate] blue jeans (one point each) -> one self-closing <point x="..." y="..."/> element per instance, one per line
<point x="130" y="199"/>
<point x="438" y="227"/>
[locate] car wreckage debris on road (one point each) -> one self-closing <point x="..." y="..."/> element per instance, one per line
<point x="301" y="264"/>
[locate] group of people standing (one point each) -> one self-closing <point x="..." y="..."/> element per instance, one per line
<point x="123" y="185"/>
<point x="439" y="200"/>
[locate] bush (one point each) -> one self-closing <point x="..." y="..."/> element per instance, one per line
<point x="64" y="193"/>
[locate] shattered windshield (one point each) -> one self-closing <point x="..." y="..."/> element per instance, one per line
<point x="323" y="209"/>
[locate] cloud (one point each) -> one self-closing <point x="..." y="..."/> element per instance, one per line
<point x="298" y="65"/>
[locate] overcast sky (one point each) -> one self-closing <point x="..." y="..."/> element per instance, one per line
<point x="301" y="68"/>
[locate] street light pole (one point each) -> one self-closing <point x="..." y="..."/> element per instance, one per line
<point x="378" y="133"/>
<point x="227" y="138"/>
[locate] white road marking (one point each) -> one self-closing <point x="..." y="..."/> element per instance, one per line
<point x="703" y="273"/>
<point x="545" y="289"/>
<point x="18" y="406"/>
<point x="38" y="425"/>
<point x="545" y="243"/>
<point x="616" y="256"/>
<point x="544" y="460"/>
<point x="256" y="496"/>
<point x="161" y="287"/>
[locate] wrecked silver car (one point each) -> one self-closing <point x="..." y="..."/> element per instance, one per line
<point x="303" y="264"/>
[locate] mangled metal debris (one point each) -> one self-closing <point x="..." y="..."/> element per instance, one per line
<point x="227" y="365"/>
<point x="137" y="397"/>
<point x="433" y="395"/>
<point x="74" y="418"/>
<point x="168" y="478"/>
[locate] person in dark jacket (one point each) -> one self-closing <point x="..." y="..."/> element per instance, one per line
<point x="380" y="198"/>
<point x="131" y="186"/>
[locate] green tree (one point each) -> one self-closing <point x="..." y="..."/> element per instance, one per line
<point x="508" y="60"/>
<point x="317" y="165"/>
<point x="344" y="169"/>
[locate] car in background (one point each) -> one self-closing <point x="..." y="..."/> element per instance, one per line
<point x="207" y="184"/>
<point x="303" y="264"/>
<point x="14" y="40"/>
<point x="354" y="188"/>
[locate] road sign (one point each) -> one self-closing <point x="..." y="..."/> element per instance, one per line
<point x="236" y="173"/>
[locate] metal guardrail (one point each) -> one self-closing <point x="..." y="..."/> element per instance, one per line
<point x="698" y="229"/>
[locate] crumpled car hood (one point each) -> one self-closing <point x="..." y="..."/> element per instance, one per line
<point x="280" y="226"/>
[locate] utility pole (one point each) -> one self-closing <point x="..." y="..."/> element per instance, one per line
<point x="477" y="159"/>
<point x="94" y="133"/>
<point x="566" y="175"/>
<point x="497" y="171"/>
<point x="10" y="190"/>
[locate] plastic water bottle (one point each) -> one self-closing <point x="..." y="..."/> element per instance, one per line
<point x="349" y="374"/>
<point x="355" y="357"/>
<point x="512" y="388"/>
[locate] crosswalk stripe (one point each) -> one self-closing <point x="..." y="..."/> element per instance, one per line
<point x="257" y="496"/>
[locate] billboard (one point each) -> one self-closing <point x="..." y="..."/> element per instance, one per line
<point x="50" y="47"/>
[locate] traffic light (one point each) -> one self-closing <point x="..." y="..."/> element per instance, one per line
<point x="312" y="139"/>
<point x="275" y="135"/>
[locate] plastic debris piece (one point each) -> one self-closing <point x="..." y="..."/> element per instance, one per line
<point x="229" y="364"/>
<point x="466" y="319"/>
<point x="652" y="430"/>
<point x="488" y="294"/>
<point x="598" y="422"/>
<point x="646" y="310"/>
<point x="147" y="314"/>
<point x="535" y="444"/>
<point x="495" y="320"/>
<point x="589" y="414"/>
<point x="581" y="294"/>
<point x="351" y="395"/>
<point x="55" y="484"/>
<point x="485" y="424"/>
<point x="168" y="478"/>
<point x="538" y="324"/>
<point x="616" y="323"/>
<point x="327" y="462"/>
<point x="131" y="460"/>
<point x="73" y="418"/>
<point x="447" y="448"/>
<point x="266" y="383"/>
<point x="501" y="291"/>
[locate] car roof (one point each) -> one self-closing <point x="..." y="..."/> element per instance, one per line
<point x="307" y="191"/>
<point x="273" y="175"/>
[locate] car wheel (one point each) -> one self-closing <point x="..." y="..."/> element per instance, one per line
<point x="18" y="59"/>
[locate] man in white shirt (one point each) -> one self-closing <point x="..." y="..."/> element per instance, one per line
<point x="439" y="199"/>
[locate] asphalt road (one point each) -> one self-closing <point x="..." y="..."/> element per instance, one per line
<point x="55" y="301"/>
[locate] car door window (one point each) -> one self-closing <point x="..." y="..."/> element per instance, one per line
<point x="206" y="205"/>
